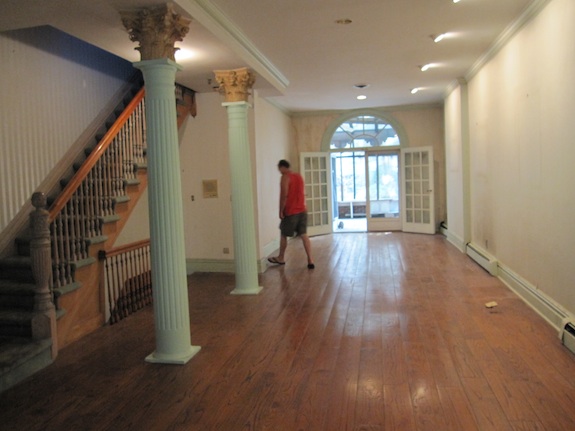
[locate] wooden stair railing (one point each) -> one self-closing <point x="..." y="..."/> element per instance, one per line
<point x="77" y="215"/>
<point x="128" y="279"/>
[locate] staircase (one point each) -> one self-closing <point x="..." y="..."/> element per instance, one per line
<point x="85" y="216"/>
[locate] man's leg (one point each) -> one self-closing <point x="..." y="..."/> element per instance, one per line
<point x="283" y="246"/>
<point x="307" y="247"/>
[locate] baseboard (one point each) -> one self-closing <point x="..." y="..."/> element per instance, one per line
<point x="209" y="265"/>
<point x="483" y="258"/>
<point x="548" y="309"/>
<point x="453" y="239"/>
<point x="218" y="265"/>
<point x="228" y="265"/>
<point x="271" y="247"/>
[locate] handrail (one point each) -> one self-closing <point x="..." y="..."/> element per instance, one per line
<point x="93" y="158"/>
<point x="127" y="279"/>
<point x="123" y="248"/>
<point x="79" y="213"/>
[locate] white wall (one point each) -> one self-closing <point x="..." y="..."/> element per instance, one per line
<point x="273" y="142"/>
<point x="204" y="155"/>
<point x="52" y="86"/>
<point x="422" y="126"/>
<point x="137" y="227"/>
<point x="454" y="169"/>
<point x="521" y="106"/>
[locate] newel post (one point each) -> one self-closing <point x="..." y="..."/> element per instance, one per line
<point x="44" y="320"/>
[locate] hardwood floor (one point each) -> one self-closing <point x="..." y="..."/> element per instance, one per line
<point x="389" y="332"/>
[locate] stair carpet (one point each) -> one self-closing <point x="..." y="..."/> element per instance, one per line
<point x="21" y="355"/>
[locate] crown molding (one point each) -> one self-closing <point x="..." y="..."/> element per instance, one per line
<point x="214" y="19"/>
<point x="511" y="30"/>
<point x="376" y="109"/>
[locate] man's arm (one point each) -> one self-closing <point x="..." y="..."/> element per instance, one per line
<point x="284" y="187"/>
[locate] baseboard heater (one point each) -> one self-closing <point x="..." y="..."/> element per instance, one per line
<point x="568" y="336"/>
<point x="489" y="263"/>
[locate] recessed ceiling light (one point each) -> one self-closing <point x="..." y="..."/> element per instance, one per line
<point x="343" y="21"/>
<point x="414" y="90"/>
<point x="185" y="54"/>
<point x="425" y="67"/>
<point x="456" y="1"/>
<point x="438" y="38"/>
<point x="361" y="97"/>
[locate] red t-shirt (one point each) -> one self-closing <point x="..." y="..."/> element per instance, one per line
<point x="295" y="202"/>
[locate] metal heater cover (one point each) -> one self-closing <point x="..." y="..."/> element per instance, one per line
<point x="568" y="337"/>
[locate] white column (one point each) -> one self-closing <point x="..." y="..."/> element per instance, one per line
<point x="245" y="250"/>
<point x="157" y="29"/>
<point x="168" y="256"/>
<point x="235" y="85"/>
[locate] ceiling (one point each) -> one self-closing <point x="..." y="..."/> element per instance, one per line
<point x="302" y="58"/>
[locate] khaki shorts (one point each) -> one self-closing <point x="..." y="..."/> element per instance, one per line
<point x="295" y="224"/>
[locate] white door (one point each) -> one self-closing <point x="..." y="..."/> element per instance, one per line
<point x="417" y="194"/>
<point x="382" y="170"/>
<point x="315" y="169"/>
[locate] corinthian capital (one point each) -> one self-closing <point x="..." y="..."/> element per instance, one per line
<point x="157" y="29"/>
<point x="235" y="84"/>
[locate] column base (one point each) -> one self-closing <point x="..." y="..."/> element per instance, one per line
<point x="153" y="358"/>
<point x="246" y="291"/>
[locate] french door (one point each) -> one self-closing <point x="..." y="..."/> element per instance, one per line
<point x="399" y="191"/>
<point x="315" y="169"/>
<point x="418" y="199"/>
<point x="382" y="182"/>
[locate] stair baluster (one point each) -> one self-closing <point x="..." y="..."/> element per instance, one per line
<point x="89" y="198"/>
<point x="128" y="281"/>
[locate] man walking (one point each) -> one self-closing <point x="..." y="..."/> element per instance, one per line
<point x="293" y="213"/>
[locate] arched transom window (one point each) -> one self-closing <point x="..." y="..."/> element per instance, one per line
<point x="364" y="131"/>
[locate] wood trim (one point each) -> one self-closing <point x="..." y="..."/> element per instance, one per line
<point x="124" y="248"/>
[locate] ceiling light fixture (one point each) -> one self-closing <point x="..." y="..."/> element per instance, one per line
<point x="183" y="54"/>
<point x="361" y="97"/>
<point x="414" y="90"/>
<point x="438" y="38"/>
<point x="425" y="67"/>
<point x="456" y="1"/>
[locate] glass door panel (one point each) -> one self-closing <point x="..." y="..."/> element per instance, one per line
<point x="314" y="169"/>
<point x="383" y="188"/>
<point x="418" y="196"/>
<point x="349" y="191"/>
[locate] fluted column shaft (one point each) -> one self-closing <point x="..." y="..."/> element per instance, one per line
<point x="245" y="250"/>
<point x="168" y="258"/>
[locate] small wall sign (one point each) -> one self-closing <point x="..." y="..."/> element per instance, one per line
<point x="210" y="188"/>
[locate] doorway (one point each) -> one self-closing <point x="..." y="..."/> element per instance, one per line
<point x="365" y="190"/>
